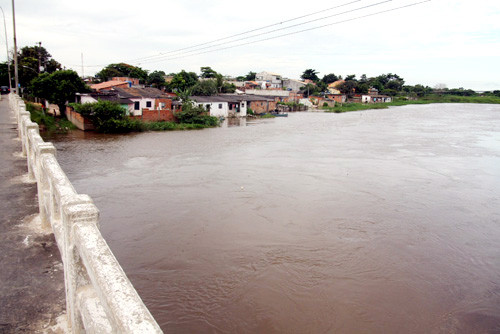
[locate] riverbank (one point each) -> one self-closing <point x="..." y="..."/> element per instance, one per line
<point x="118" y="123"/>
<point x="346" y="107"/>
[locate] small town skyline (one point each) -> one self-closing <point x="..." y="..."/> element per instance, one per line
<point x="427" y="43"/>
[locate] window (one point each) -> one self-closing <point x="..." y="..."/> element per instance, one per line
<point x="243" y="104"/>
<point x="148" y="104"/>
<point x="220" y="105"/>
<point x="162" y="105"/>
<point x="136" y="105"/>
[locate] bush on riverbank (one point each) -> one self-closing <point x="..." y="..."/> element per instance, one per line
<point x="110" y="117"/>
<point x="46" y="122"/>
<point x="346" y="107"/>
<point x="191" y="114"/>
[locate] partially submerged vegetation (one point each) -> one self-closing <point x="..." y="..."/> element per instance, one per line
<point x="110" y="117"/>
<point x="401" y="101"/>
<point x="48" y="123"/>
<point x="267" y="116"/>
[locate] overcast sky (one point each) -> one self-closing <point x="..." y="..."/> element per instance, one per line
<point x="456" y="43"/>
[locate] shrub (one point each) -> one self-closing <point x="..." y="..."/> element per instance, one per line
<point x="191" y="114"/>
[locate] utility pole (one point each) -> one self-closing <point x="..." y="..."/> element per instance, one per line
<point x="7" y="48"/>
<point x="15" y="49"/>
<point x="39" y="57"/>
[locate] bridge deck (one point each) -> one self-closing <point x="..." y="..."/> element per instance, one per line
<point x="31" y="274"/>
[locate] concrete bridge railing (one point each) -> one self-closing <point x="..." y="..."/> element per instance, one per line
<point x="99" y="296"/>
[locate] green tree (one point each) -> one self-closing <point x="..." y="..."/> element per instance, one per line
<point x="228" y="88"/>
<point x="205" y="88"/>
<point x="182" y="81"/>
<point x="310" y="74"/>
<point x="28" y="58"/>
<point x="58" y="87"/>
<point x="312" y="89"/>
<point x="363" y="79"/>
<point x="362" y="88"/>
<point x="351" y="77"/>
<point x="348" y="87"/>
<point x="185" y="94"/>
<point x="106" y="116"/>
<point x="250" y="76"/>
<point x="4" y="74"/>
<point x="193" y="114"/>
<point x="390" y="82"/>
<point x="122" y="70"/>
<point x="329" y="78"/>
<point x="156" y="79"/>
<point x="207" y="72"/>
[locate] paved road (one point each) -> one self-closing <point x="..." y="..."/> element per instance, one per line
<point x="31" y="275"/>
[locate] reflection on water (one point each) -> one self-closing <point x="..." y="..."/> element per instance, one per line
<point x="366" y="222"/>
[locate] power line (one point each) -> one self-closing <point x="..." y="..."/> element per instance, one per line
<point x="162" y="54"/>
<point x="295" y="32"/>
<point x="164" y="57"/>
<point x="271" y="31"/>
<point x="247" y="32"/>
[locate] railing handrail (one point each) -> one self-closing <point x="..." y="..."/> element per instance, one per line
<point x="99" y="296"/>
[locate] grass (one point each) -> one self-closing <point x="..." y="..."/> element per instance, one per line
<point x="48" y="123"/>
<point x="346" y="107"/>
<point x="166" y="126"/>
<point x="267" y="116"/>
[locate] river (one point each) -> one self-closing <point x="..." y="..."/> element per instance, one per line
<point x="381" y="221"/>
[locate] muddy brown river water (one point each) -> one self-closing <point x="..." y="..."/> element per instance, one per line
<point x="382" y="221"/>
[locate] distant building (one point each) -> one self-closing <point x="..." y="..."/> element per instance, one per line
<point x="293" y="85"/>
<point x="374" y="97"/>
<point x="268" y="80"/>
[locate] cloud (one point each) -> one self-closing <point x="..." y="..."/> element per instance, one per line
<point x="410" y="41"/>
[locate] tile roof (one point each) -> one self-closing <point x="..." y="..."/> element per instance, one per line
<point x="112" y="97"/>
<point x="148" y="92"/>
<point x="230" y="98"/>
<point x="108" y="84"/>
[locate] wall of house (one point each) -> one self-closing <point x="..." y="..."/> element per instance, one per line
<point x="217" y="109"/>
<point x="293" y="85"/>
<point x="221" y="109"/>
<point x="260" y="107"/>
<point x="167" y="104"/>
<point x="142" y="105"/>
<point x="78" y="120"/>
<point x="134" y="81"/>
<point x="243" y="110"/>
<point x="338" y="98"/>
<point x="151" y="115"/>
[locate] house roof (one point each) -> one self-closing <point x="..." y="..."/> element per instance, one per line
<point x="230" y="98"/>
<point x="132" y="92"/>
<point x="337" y="83"/>
<point x="111" y="97"/>
<point x="108" y="84"/>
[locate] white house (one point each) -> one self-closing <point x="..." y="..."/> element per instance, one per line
<point x="269" y="80"/>
<point x="223" y="105"/>
<point x="375" y="99"/>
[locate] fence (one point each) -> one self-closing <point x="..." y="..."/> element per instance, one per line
<point x="99" y="296"/>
